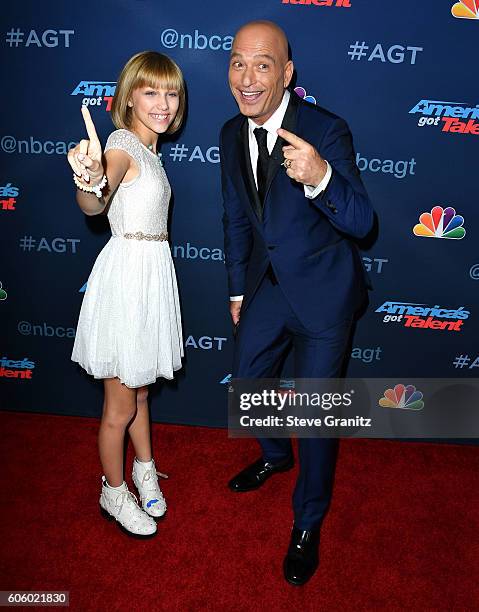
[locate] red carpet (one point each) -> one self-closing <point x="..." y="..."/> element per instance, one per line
<point x="402" y="532"/>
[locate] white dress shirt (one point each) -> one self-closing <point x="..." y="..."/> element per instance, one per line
<point x="273" y="124"/>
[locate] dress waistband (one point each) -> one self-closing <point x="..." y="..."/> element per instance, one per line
<point x="141" y="236"/>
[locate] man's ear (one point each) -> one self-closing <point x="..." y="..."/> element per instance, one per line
<point x="288" y="73"/>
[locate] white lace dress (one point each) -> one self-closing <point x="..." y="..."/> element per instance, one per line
<point x="130" y="323"/>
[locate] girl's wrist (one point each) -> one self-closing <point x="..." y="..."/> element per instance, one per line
<point x="95" y="188"/>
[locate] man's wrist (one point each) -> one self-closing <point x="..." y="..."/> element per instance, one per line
<point x="321" y="174"/>
<point x="313" y="192"/>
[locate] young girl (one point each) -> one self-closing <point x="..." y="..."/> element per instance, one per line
<point x="129" y="330"/>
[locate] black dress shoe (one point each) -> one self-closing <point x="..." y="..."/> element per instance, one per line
<point x="302" y="558"/>
<point x="257" y="474"/>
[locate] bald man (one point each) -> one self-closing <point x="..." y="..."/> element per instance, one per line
<point x="293" y="205"/>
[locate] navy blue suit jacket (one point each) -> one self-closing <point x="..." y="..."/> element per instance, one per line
<point x="308" y="242"/>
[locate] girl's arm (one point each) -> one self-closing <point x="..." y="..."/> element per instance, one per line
<point x="89" y="165"/>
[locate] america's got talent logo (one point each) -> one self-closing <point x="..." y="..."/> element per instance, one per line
<point x="96" y="93"/>
<point x="10" y="368"/>
<point x="451" y="117"/>
<point x="336" y="3"/>
<point x="8" y="196"/>
<point x="421" y="316"/>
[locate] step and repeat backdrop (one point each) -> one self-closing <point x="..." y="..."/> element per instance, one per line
<point x="403" y="75"/>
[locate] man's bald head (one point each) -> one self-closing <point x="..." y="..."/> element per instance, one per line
<point x="266" y="29"/>
<point x="259" y="69"/>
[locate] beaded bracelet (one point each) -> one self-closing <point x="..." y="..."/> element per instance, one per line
<point x="96" y="189"/>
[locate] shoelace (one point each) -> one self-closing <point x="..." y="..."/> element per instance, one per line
<point x="152" y="475"/>
<point x="125" y="495"/>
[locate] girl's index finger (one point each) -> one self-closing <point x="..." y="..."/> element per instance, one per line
<point x="90" y="126"/>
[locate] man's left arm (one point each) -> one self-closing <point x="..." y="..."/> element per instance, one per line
<point x="344" y="199"/>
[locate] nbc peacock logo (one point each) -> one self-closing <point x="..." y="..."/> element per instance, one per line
<point x="440" y="223"/>
<point x="406" y="397"/>
<point x="302" y="93"/>
<point x="466" y="9"/>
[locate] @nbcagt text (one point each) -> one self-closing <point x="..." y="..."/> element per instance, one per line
<point x="278" y="401"/>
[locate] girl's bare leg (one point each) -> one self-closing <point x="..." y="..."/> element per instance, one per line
<point x="139" y="428"/>
<point x="119" y="409"/>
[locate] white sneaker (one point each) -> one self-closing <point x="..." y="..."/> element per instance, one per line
<point x="145" y="478"/>
<point x="121" y="504"/>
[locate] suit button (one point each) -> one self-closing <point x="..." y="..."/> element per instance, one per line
<point x="271" y="247"/>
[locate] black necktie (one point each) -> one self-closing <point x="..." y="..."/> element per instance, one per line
<point x="263" y="160"/>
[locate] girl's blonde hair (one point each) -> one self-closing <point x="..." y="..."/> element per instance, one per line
<point x="147" y="69"/>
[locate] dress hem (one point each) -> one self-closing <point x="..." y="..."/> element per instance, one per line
<point x="136" y="386"/>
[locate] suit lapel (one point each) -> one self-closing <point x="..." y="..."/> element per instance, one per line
<point x="277" y="157"/>
<point x="247" y="170"/>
